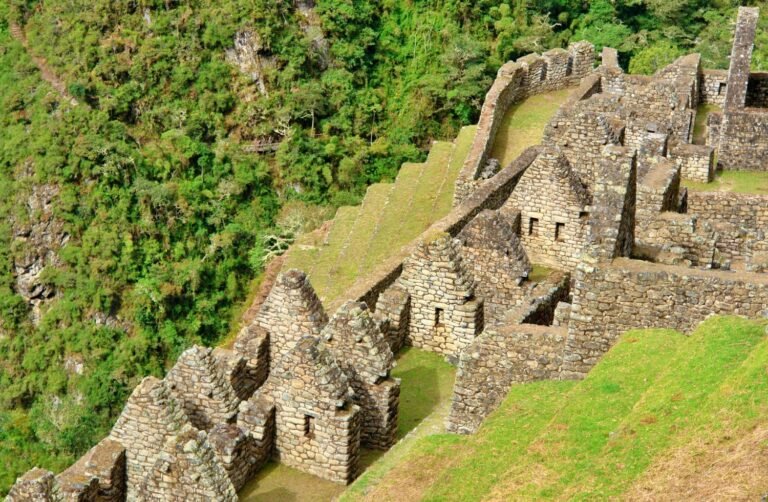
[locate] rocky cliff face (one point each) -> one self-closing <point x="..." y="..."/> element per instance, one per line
<point x="37" y="240"/>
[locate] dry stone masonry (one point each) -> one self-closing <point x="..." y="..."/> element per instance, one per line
<point x="533" y="275"/>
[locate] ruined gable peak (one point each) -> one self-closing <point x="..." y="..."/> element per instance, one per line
<point x="203" y="388"/>
<point x="293" y="304"/>
<point x="188" y="469"/>
<point x="315" y="373"/>
<point x="440" y="254"/>
<point x="353" y="333"/>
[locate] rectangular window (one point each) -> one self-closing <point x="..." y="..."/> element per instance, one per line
<point x="533" y="226"/>
<point x="721" y="89"/>
<point x="559" y="231"/>
<point x="543" y="73"/>
<point x="569" y="67"/>
<point x="439" y="317"/>
<point x="309" y="425"/>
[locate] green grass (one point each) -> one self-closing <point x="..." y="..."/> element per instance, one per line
<point x="426" y="382"/>
<point x="602" y="465"/>
<point x="750" y="182"/>
<point x="444" y="200"/>
<point x="654" y="393"/>
<point x="700" y="124"/>
<point x="523" y="124"/>
<point x="539" y="273"/>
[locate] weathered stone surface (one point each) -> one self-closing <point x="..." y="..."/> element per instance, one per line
<point x="187" y="470"/>
<point x="291" y="311"/>
<point x="445" y="315"/>
<point x="37" y="485"/>
<point x="150" y="418"/>
<point x="361" y="350"/>
<point x="497" y="359"/>
<point x="202" y="388"/>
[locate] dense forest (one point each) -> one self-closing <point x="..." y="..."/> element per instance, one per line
<point x="192" y="139"/>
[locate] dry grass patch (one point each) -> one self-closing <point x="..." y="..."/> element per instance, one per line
<point x="733" y="469"/>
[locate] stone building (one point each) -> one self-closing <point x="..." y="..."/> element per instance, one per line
<point x="317" y="423"/>
<point x="445" y="315"/>
<point x="361" y="350"/>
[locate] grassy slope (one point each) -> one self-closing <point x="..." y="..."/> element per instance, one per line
<point x="754" y="182"/>
<point x="654" y="395"/>
<point x="523" y="124"/>
<point x="389" y="218"/>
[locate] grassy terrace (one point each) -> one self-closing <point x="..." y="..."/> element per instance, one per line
<point x="523" y="125"/>
<point x="754" y="182"/>
<point x="391" y="215"/>
<point x="657" y="405"/>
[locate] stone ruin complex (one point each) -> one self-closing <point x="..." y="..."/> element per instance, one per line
<point x="600" y="202"/>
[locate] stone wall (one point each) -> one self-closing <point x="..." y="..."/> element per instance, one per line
<point x="611" y="224"/>
<point x="696" y="161"/>
<point x="515" y="81"/>
<point x="496" y="360"/>
<point x="393" y="310"/>
<point x="445" y="314"/>
<point x="202" y="388"/>
<point x="713" y="84"/>
<point x="97" y="475"/>
<point x="743" y="139"/>
<point x="734" y="216"/>
<point x="677" y="239"/>
<point x="317" y="423"/>
<point x="611" y="298"/>
<point x="495" y="256"/>
<point x="291" y="311"/>
<point x="741" y="57"/>
<point x="151" y="417"/>
<point x="187" y="469"/>
<point x="362" y="351"/>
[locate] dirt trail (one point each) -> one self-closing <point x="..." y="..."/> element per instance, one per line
<point x="47" y="73"/>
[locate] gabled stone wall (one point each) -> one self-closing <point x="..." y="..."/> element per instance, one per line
<point x="317" y="423"/>
<point x="553" y="204"/>
<point x="291" y="311"/>
<point x="202" y="388"/>
<point x="494" y="255"/>
<point x="445" y="314"/>
<point x="354" y="338"/>
<point x="150" y="418"/>
<point x="188" y="470"/>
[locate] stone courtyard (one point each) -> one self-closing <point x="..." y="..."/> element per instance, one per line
<point x="601" y="203"/>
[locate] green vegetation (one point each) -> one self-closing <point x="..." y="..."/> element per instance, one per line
<point x="523" y="125"/>
<point x="700" y="124"/>
<point x="656" y="393"/>
<point x="170" y="216"/>
<point x="426" y="387"/>
<point x="754" y="182"/>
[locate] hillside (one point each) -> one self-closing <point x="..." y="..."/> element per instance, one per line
<point x="153" y="156"/>
<point x="662" y="415"/>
